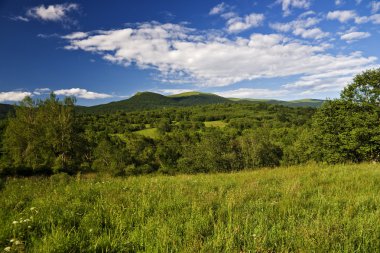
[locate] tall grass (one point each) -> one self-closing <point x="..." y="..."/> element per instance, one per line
<point x="307" y="209"/>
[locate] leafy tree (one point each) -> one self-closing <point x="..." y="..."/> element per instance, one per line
<point x="346" y="131"/>
<point x="44" y="135"/>
<point x="258" y="150"/>
<point x="365" y="88"/>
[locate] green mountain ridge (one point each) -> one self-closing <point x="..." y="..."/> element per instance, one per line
<point x="150" y="100"/>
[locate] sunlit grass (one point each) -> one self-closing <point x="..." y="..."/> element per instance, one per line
<point x="307" y="209"/>
<point x="217" y="123"/>
<point x="149" y="132"/>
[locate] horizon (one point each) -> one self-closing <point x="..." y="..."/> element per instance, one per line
<point x="100" y="53"/>
<point x="44" y="96"/>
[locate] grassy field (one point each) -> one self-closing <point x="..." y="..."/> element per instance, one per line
<point x="217" y="123"/>
<point x="302" y="209"/>
<point x="149" y="132"/>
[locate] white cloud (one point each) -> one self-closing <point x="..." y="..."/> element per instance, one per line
<point x="375" y="6"/>
<point x="342" y="16"/>
<point x="75" y="35"/>
<point x="180" y="54"/>
<point x="375" y="19"/>
<point x="235" y="23"/>
<point x="173" y="91"/>
<point x="13" y="96"/>
<point x="338" y="2"/>
<point x="238" y="24"/>
<point x="55" y="13"/>
<point x="81" y="93"/>
<point x="301" y="27"/>
<point x="353" y="36"/>
<point x="220" y="8"/>
<point x="287" y="5"/>
<point x="20" y="18"/>
<point x="253" y="93"/>
<point x="334" y="80"/>
<point x="40" y="91"/>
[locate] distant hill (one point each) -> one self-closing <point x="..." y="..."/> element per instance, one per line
<point x="151" y="100"/>
<point x="198" y="98"/>
<point x="5" y="109"/>
<point x="315" y="103"/>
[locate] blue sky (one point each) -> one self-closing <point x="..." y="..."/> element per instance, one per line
<point x="281" y="49"/>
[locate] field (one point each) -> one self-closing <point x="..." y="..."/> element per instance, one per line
<point x="305" y="209"/>
<point x="149" y="132"/>
<point x="216" y="123"/>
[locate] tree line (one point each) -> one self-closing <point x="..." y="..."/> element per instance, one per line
<point x="50" y="136"/>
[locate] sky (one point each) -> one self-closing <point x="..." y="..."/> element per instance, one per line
<point x="102" y="51"/>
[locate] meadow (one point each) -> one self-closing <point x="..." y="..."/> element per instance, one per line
<point x="310" y="208"/>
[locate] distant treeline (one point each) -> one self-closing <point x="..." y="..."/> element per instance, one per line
<point x="49" y="136"/>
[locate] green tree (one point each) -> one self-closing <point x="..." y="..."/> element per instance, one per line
<point x="345" y="131"/>
<point x="44" y="135"/>
<point x="365" y="88"/>
<point x="257" y="149"/>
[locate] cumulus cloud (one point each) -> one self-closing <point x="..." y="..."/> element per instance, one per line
<point x="218" y="9"/>
<point x="303" y="27"/>
<point x="75" y="35"/>
<point x="40" y="91"/>
<point x="81" y="93"/>
<point x="354" y="36"/>
<point x="375" y="6"/>
<point x="179" y="53"/>
<point x="238" y="24"/>
<point x="235" y="23"/>
<point x="52" y="13"/>
<point x="56" y="12"/>
<point x="350" y="15"/>
<point x="13" y="96"/>
<point x="253" y="93"/>
<point x="342" y="16"/>
<point x="287" y="5"/>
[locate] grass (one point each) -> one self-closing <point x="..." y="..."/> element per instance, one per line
<point x="149" y="132"/>
<point x="217" y="123"/>
<point x="302" y="209"/>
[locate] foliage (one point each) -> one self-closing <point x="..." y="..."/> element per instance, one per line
<point x="43" y="135"/>
<point x="365" y="88"/>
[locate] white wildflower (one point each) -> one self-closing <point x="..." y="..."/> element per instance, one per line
<point x="7" y="249"/>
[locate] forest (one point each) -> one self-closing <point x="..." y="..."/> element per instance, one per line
<point x="52" y="136"/>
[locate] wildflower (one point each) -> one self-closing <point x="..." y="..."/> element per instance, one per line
<point x="91" y="230"/>
<point x="32" y="208"/>
<point x="7" y="249"/>
<point x="18" y="242"/>
<point x="29" y="227"/>
<point x="14" y="222"/>
<point x="12" y="240"/>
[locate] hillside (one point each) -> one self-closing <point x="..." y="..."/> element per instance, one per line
<point x="315" y="103"/>
<point x="151" y="100"/>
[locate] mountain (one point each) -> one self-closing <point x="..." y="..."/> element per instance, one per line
<point x="151" y="100"/>
<point x="315" y="103"/>
<point x="198" y="98"/>
<point x="5" y="109"/>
